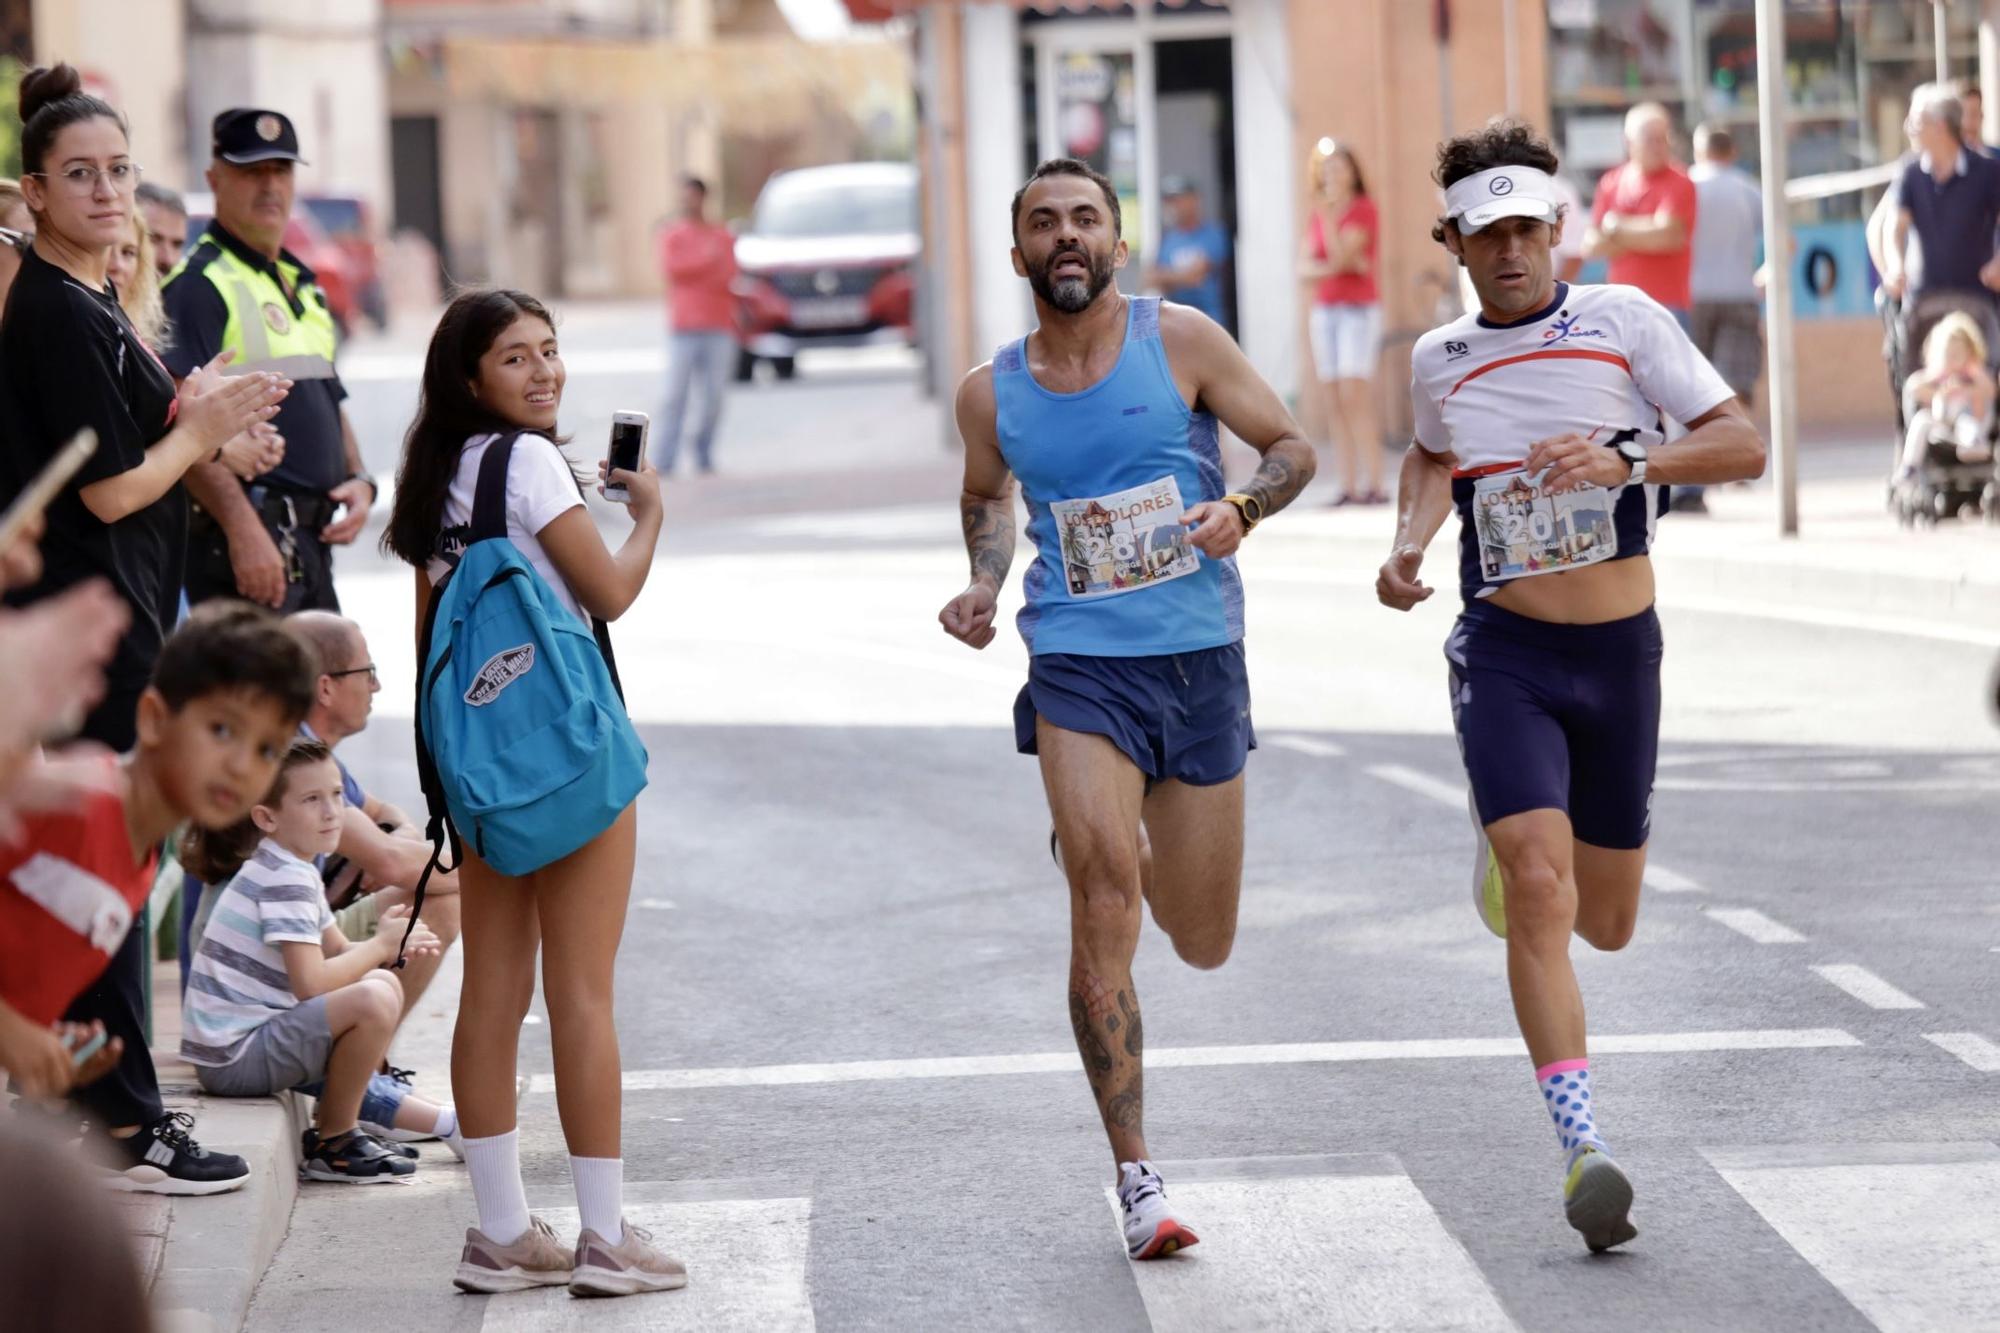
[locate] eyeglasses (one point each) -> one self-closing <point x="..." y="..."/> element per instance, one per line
<point x="82" y="181"/>
<point x="373" y="677"/>
<point x="20" y="240"/>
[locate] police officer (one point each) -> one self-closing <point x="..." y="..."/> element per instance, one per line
<point x="239" y="289"/>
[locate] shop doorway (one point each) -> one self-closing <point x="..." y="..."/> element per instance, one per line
<point x="1140" y="99"/>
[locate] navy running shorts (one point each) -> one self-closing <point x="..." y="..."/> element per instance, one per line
<point x="1559" y="717"/>
<point x="1182" y="717"/>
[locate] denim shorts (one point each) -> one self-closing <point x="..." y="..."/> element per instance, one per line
<point x="1182" y="717"/>
<point x="290" y="1051"/>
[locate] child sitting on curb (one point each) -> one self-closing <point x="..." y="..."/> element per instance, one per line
<point x="279" y="998"/>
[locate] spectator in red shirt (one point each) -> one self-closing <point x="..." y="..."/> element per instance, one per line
<point x="699" y="259"/>
<point x="229" y="689"/>
<point x="1338" y="257"/>
<point x="1643" y="217"/>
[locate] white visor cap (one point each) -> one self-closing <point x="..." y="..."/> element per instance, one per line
<point x="1480" y="200"/>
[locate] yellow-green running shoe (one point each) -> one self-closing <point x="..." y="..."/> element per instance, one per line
<point x="1489" y="895"/>
<point x="1597" y="1200"/>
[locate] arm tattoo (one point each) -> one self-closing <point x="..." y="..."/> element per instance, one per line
<point x="989" y="535"/>
<point x="1288" y="465"/>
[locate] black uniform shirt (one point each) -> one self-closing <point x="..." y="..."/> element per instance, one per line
<point x="309" y="418"/>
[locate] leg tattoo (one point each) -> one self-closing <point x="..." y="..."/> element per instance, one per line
<point x="1110" y="1038"/>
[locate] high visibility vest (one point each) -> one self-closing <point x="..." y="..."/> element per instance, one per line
<point x="264" y="329"/>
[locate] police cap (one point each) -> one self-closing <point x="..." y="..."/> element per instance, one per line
<point x="246" y="134"/>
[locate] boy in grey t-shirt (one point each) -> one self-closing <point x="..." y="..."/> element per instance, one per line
<point x="279" y="998"/>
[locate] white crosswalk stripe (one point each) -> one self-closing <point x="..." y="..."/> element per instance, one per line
<point x="746" y="1262"/>
<point x="1909" y="1233"/>
<point x="1349" y="1243"/>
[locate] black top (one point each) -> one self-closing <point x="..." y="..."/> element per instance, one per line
<point x="309" y="418"/>
<point x="68" y="359"/>
<point x="1954" y="221"/>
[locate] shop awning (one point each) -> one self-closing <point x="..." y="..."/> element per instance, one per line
<point x="878" y="11"/>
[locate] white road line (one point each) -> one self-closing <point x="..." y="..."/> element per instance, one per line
<point x="1318" y="749"/>
<point x="1447" y="793"/>
<point x="746" y="1262"/>
<point x="1423" y="784"/>
<point x="1321" y="1252"/>
<point x="1185" y="1057"/>
<point x="1970" y="1047"/>
<point x="1913" y="1245"/>
<point x="1749" y="921"/>
<point x="1662" y="880"/>
<point x="1866" y="987"/>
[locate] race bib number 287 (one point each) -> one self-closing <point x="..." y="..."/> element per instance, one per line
<point x="1123" y="542"/>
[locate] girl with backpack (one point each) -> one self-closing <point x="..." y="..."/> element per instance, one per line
<point x="493" y="380"/>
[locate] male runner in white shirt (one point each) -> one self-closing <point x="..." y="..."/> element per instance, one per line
<point x="1541" y="416"/>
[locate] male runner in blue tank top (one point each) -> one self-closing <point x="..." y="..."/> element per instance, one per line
<point x="1137" y="700"/>
<point x="1538" y="416"/>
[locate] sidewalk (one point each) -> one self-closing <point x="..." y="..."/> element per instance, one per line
<point x="202" y="1258"/>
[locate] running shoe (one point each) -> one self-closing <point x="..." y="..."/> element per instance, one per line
<point x="1151" y="1229"/>
<point x="631" y="1266"/>
<point x="1597" y="1200"/>
<point x="1489" y="893"/>
<point x="163" y="1159"/>
<point x="535" y="1258"/>
<point x="354" y="1158"/>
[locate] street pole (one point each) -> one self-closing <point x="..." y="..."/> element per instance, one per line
<point x="1941" y="40"/>
<point x="1771" y="115"/>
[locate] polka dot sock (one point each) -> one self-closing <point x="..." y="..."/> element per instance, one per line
<point x="1566" y="1092"/>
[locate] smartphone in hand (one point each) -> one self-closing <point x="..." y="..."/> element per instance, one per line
<point x="628" y="446"/>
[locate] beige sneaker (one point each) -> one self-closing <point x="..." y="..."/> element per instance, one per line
<point x="633" y="1265"/>
<point x="537" y="1259"/>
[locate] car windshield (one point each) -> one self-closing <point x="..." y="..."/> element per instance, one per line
<point x="826" y="208"/>
<point x="340" y="217"/>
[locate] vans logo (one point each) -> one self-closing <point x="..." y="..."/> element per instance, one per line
<point x="501" y="670"/>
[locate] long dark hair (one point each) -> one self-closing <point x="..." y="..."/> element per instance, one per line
<point x="448" y="415"/>
<point x="52" y="100"/>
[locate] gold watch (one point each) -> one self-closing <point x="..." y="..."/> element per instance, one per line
<point x="1250" y="507"/>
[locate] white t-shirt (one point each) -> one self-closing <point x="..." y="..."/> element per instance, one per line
<point x="540" y="488"/>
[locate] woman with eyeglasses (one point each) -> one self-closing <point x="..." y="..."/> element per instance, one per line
<point x="16" y="230"/>
<point x="71" y="361"/>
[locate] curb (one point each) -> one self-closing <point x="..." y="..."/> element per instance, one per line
<point x="1950" y="597"/>
<point x="219" y="1246"/>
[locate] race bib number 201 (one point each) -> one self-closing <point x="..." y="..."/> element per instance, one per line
<point x="1120" y="543"/>
<point x="1524" y="530"/>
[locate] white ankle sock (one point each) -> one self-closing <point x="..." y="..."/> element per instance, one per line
<point x="447" y="1123"/>
<point x="495" y="1166"/>
<point x="600" y="1194"/>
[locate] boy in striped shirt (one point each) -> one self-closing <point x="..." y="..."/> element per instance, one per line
<point x="279" y="998"/>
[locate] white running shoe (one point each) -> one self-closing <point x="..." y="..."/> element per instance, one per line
<point x="1151" y="1229"/>
<point x="1489" y="891"/>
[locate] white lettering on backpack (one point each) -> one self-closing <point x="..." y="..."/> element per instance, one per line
<point x="501" y="670"/>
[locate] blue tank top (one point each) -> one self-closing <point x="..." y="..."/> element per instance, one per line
<point x="1106" y="474"/>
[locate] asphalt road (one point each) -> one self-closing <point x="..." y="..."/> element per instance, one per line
<point x="852" y="1099"/>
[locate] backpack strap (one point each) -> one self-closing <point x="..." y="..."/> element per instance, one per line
<point x="439" y="827"/>
<point x="489" y="495"/>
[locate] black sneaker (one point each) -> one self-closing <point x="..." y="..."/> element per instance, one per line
<point x="309" y="1143"/>
<point x="162" y="1159"/>
<point x="354" y="1158"/>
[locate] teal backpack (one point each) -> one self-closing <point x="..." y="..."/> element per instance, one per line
<point x="524" y="748"/>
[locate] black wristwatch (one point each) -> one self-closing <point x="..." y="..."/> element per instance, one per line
<point x="1634" y="453"/>
<point x="374" y="491"/>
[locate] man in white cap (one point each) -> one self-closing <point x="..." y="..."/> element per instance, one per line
<point x="1538" y="417"/>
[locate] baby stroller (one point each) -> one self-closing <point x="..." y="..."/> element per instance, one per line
<point x="1944" y="484"/>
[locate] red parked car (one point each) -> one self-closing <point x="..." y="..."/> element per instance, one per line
<point x="827" y="261"/>
<point x="350" y="223"/>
